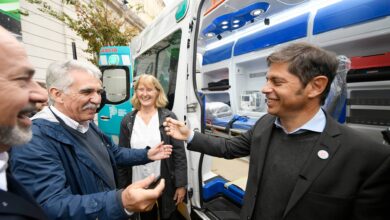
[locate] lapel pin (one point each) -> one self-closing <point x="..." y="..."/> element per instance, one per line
<point x="323" y="154"/>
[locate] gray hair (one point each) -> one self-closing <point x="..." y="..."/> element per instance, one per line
<point x="57" y="74"/>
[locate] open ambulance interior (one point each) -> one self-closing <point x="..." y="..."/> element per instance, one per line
<point x="233" y="40"/>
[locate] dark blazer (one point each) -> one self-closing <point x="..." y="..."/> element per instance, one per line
<point x="18" y="204"/>
<point x="173" y="169"/>
<point x="353" y="183"/>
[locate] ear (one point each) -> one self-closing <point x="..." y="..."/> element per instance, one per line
<point x="56" y="95"/>
<point x="317" y="86"/>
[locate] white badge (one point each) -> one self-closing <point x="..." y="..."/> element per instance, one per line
<point x="323" y="154"/>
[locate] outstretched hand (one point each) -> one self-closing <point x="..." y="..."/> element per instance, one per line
<point x="136" y="198"/>
<point x="176" y="129"/>
<point x="160" y="151"/>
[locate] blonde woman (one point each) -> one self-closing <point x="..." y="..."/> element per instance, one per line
<point x="143" y="127"/>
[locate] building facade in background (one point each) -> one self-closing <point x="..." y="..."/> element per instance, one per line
<point x="147" y="10"/>
<point x="47" y="39"/>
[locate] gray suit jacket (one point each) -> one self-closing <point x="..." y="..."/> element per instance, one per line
<point x="353" y="183"/>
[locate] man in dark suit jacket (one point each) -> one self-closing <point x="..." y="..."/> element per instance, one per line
<point x="303" y="164"/>
<point x="18" y="96"/>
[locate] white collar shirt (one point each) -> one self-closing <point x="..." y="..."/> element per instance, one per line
<point x="70" y="122"/>
<point x="3" y="168"/>
<point x="316" y="124"/>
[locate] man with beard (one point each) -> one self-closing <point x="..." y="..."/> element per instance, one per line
<point x="303" y="164"/>
<point x="69" y="166"/>
<point x="18" y="96"/>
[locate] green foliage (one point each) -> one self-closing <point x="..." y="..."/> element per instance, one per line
<point x="94" y="22"/>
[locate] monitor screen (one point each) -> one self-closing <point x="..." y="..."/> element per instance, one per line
<point x="245" y="98"/>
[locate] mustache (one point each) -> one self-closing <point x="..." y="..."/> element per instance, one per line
<point x="90" y="106"/>
<point x="28" y="109"/>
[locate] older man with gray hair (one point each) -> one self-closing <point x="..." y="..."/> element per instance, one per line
<point x="70" y="165"/>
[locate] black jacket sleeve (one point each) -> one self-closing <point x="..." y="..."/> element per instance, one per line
<point x="124" y="173"/>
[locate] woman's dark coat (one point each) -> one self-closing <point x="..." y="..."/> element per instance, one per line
<point x="173" y="169"/>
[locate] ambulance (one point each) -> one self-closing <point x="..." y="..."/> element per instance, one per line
<point x="210" y="57"/>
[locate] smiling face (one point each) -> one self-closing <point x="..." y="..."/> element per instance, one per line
<point x="285" y="93"/>
<point x="18" y="92"/>
<point x="81" y="99"/>
<point x="147" y="94"/>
